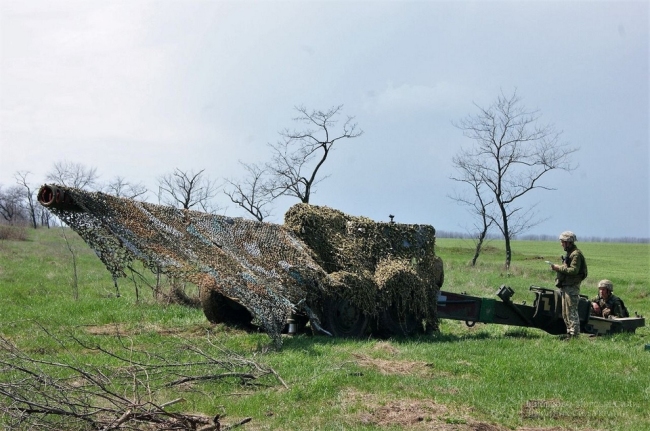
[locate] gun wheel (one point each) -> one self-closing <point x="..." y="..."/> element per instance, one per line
<point x="393" y="323"/>
<point x="221" y="309"/>
<point x="343" y="319"/>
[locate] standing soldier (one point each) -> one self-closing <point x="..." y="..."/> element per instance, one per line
<point x="569" y="276"/>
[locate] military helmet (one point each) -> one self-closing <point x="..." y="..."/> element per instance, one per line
<point x="606" y="284"/>
<point x="568" y="236"/>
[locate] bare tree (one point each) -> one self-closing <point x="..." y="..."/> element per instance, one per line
<point x="251" y="193"/>
<point x="21" y="179"/>
<point x="479" y="204"/>
<point x="298" y="157"/>
<point x="120" y="187"/>
<point x="71" y="174"/>
<point x="11" y="205"/>
<point x="46" y="218"/>
<point x="512" y="153"/>
<point x="188" y="190"/>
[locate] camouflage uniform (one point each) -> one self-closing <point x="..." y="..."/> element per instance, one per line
<point x="569" y="276"/>
<point x="611" y="306"/>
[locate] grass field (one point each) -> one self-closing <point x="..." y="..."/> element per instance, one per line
<point x="487" y="377"/>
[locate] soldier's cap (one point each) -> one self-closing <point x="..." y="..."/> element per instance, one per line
<point x="606" y="284"/>
<point x="568" y="236"/>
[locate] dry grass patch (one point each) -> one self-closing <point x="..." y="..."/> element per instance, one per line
<point x="416" y="414"/>
<point x="122" y="329"/>
<point x="13" y="233"/>
<point x="386" y="347"/>
<point x="108" y="329"/>
<point x="409" y="414"/>
<point x="393" y="366"/>
<point x="388" y="366"/>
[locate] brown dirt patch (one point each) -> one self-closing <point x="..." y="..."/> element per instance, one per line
<point x="403" y="413"/>
<point x="412" y="414"/>
<point x="389" y="366"/>
<point x="108" y="329"/>
<point x="409" y="414"/>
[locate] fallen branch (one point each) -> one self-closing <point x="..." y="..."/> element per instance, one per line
<point x="242" y="376"/>
<point x="40" y="393"/>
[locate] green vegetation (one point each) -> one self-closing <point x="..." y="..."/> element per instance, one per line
<point x="626" y="265"/>
<point x="461" y="378"/>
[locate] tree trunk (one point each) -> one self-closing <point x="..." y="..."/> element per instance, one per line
<point x="506" y="236"/>
<point x="479" y="245"/>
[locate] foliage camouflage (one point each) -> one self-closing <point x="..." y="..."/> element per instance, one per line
<point x="373" y="264"/>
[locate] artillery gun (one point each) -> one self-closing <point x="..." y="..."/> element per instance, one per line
<point x="248" y="270"/>
<point x="545" y="313"/>
<point x="345" y="276"/>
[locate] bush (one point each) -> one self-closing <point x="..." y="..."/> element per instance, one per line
<point x="13" y="233"/>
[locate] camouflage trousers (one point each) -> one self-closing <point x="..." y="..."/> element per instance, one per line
<point x="570" y="299"/>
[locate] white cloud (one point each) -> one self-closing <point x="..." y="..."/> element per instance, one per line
<point x="406" y="98"/>
<point x="138" y="88"/>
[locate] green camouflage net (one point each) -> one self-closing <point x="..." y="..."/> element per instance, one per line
<point x="264" y="266"/>
<point x="319" y="256"/>
<point x="374" y="265"/>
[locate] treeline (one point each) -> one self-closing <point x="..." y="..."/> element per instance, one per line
<point x="542" y="237"/>
<point x="18" y="208"/>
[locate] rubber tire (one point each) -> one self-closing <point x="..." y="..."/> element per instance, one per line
<point x="343" y="319"/>
<point x="392" y="325"/>
<point x="221" y="309"/>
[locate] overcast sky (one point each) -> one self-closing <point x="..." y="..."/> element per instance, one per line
<point x="138" y="88"/>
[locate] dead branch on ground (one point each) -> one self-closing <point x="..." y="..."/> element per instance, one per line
<point x="130" y="389"/>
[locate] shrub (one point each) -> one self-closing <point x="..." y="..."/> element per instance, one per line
<point x="13" y="233"/>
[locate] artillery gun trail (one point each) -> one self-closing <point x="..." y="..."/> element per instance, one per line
<point x="346" y="276"/>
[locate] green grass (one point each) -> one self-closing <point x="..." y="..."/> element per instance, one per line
<point x="626" y="265"/>
<point x="456" y="379"/>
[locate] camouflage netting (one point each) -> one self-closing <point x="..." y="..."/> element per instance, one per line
<point x="271" y="270"/>
<point x="263" y="265"/>
<point x="373" y="264"/>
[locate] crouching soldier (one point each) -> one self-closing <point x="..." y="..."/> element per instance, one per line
<point x="606" y="304"/>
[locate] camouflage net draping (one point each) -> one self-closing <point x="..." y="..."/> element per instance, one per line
<point x="271" y="270"/>
<point x="263" y="265"/>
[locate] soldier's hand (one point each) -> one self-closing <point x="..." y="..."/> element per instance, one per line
<point x="596" y="308"/>
<point x="607" y="312"/>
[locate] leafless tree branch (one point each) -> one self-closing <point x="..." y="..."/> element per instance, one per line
<point x="72" y="174"/>
<point x="131" y="393"/>
<point x="188" y="190"/>
<point x="512" y="152"/>
<point x="120" y="187"/>
<point x="12" y="207"/>
<point x="251" y="193"/>
<point x="300" y="154"/>
<point x="21" y="179"/>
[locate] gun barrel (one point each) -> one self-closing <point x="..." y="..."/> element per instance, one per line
<point x="51" y="196"/>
